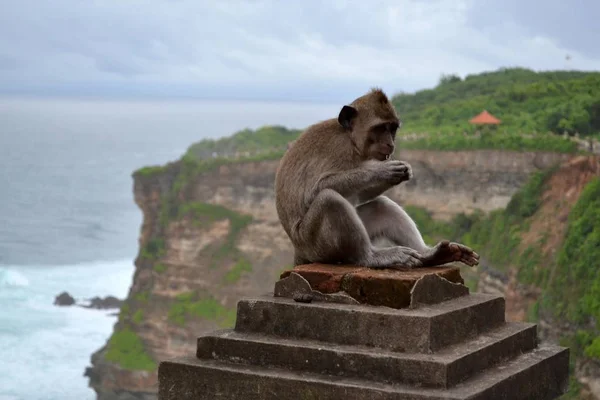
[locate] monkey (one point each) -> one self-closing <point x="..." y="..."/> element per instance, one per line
<point x="329" y="194"/>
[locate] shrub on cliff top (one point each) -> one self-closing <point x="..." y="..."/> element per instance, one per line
<point x="126" y="349"/>
<point x="150" y="170"/>
<point x="523" y="99"/>
<point x="247" y="140"/>
<point x="455" y="141"/>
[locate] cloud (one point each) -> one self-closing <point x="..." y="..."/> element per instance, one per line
<point x="272" y="48"/>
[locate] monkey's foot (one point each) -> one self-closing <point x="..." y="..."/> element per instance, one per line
<point x="445" y="252"/>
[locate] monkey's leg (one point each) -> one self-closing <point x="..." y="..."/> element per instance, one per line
<point x="332" y="232"/>
<point x="383" y="218"/>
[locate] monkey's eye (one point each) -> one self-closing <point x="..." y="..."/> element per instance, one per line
<point x="379" y="129"/>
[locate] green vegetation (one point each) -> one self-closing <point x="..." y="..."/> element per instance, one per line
<point x="138" y="316"/>
<point x="124" y="311"/>
<point x="533" y="313"/>
<point x="593" y="350"/>
<point x="189" y="305"/>
<point x="190" y="169"/>
<point x="496" y="140"/>
<point x="159" y="268"/>
<point x="434" y="230"/>
<point x="126" y="349"/>
<point x="275" y="137"/>
<point x="570" y="282"/>
<point x="150" y="170"/>
<point x="142" y="297"/>
<point x="155" y="248"/>
<point x="498" y="235"/>
<point x="524" y="100"/>
<point x="530" y="105"/>
<point x="573" y="289"/>
<point x="236" y="272"/>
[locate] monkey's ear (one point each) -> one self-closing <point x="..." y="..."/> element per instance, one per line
<point x="347" y="114"/>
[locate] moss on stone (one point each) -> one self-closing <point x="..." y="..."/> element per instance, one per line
<point x="126" y="349"/>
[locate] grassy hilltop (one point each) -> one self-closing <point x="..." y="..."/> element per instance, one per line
<point x="526" y="102"/>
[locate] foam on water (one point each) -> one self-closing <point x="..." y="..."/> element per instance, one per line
<point x="45" y="349"/>
<point x="12" y="278"/>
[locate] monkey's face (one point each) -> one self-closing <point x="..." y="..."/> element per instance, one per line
<point x="372" y="122"/>
<point x="380" y="138"/>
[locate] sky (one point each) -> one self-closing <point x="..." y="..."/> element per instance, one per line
<point x="286" y="49"/>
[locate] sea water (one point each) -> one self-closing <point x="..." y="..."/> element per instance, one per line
<point x="68" y="221"/>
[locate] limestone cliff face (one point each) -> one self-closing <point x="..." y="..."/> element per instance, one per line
<point x="448" y="183"/>
<point x="211" y="235"/>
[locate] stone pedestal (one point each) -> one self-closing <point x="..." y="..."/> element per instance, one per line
<point x="345" y="332"/>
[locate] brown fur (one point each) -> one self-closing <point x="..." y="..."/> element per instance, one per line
<point x="328" y="190"/>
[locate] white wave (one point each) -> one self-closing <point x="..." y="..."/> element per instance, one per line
<point x="10" y="277"/>
<point x="49" y="346"/>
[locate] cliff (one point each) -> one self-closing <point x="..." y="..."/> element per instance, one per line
<point x="547" y="264"/>
<point x="210" y="235"/>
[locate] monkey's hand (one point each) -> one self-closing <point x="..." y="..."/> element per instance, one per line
<point x="395" y="172"/>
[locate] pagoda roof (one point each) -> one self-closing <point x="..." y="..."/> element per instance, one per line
<point x="484" y="118"/>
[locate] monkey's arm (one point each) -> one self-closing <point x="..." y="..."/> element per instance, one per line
<point x="359" y="184"/>
<point x="368" y="194"/>
<point x="346" y="183"/>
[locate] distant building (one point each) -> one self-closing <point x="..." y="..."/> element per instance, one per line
<point x="484" y="118"/>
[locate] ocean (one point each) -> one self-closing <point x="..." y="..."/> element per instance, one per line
<point x="68" y="221"/>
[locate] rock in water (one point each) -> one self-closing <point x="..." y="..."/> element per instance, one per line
<point x="104" y="303"/>
<point x="64" y="299"/>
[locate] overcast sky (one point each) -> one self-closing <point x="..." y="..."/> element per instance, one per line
<point x="293" y="49"/>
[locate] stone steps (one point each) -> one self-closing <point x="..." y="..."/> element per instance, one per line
<point x="424" y="329"/>
<point x="539" y="374"/>
<point x="435" y="348"/>
<point x="442" y="369"/>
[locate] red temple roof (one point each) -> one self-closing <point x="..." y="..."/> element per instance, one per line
<point x="484" y="118"/>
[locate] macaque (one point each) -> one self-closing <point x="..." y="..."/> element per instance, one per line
<point x="329" y="194"/>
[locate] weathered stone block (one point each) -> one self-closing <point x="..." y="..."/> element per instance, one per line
<point x="433" y="289"/>
<point x="379" y="287"/>
<point x="442" y="369"/>
<point x="313" y="340"/>
<point x="423" y="329"/>
<point x="294" y="286"/>
<point x="541" y="374"/>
